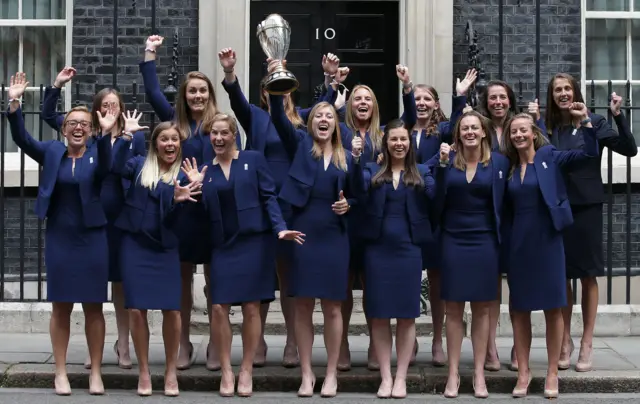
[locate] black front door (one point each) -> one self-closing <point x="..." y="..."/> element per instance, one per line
<point x="364" y="35"/>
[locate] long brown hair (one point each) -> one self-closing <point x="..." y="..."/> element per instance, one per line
<point x="289" y="107"/>
<point x="183" y="114"/>
<point x="437" y="115"/>
<point x="411" y="177"/>
<point x="97" y="104"/>
<point x="484" y="101"/>
<point x="554" y="116"/>
<point x="375" y="134"/>
<point x="338" y="158"/>
<point x="509" y="150"/>
<point x="459" y="161"/>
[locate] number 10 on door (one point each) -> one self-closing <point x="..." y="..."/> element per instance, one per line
<point x="329" y="33"/>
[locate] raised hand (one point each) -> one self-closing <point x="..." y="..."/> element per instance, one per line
<point x="17" y="86"/>
<point x="341" y="98"/>
<point x="132" y="121"/>
<point x="445" y="149"/>
<point x="187" y="192"/>
<point x="380" y="158"/>
<point x="330" y="64"/>
<point x="463" y="86"/>
<point x="341" y="206"/>
<point x="292" y="235"/>
<point x="190" y="169"/>
<point x="467" y="108"/>
<point x="615" y="104"/>
<point x="108" y="120"/>
<point x="154" y="42"/>
<point x="356" y="145"/>
<point x="534" y="109"/>
<point x="341" y="74"/>
<point x="64" y="76"/>
<point x="273" y="64"/>
<point x="402" y="72"/>
<point x="227" y="58"/>
<point x="579" y="111"/>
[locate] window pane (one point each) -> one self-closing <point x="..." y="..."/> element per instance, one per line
<point x="635" y="114"/>
<point x="602" y="94"/>
<point x="635" y="47"/>
<point x="43" y="9"/>
<point x="31" y="109"/>
<point x="8" y="9"/>
<point x="606" y="50"/>
<point x="9" y="40"/>
<point x="43" y="53"/>
<point x="608" y="5"/>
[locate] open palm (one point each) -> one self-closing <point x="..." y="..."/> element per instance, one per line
<point x="18" y="85"/>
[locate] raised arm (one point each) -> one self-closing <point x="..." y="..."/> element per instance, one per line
<point x="155" y="97"/>
<point x="621" y="142"/>
<point x="429" y="181"/>
<point x="49" y="112"/>
<point x="589" y="131"/>
<point x="289" y="135"/>
<point x="30" y="146"/>
<point x="239" y="104"/>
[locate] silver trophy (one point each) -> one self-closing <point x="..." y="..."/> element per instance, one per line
<point x="274" y="34"/>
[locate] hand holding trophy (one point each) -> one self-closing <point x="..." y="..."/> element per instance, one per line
<point x="274" y="34"/>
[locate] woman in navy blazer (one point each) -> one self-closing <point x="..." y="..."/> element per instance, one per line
<point x="240" y="204"/>
<point x="583" y="239"/>
<point x="263" y="138"/>
<point x="195" y="103"/>
<point x="362" y="119"/>
<point x="539" y="212"/>
<point x="149" y="251"/>
<point x="76" y="256"/>
<point x="111" y="195"/>
<point x="396" y="225"/>
<point x="470" y="187"/>
<point x="319" y="178"/>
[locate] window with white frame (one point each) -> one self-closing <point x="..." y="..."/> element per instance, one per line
<point x="611" y="51"/>
<point x="35" y="38"/>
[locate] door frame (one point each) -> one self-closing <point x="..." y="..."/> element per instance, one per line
<point x="428" y="51"/>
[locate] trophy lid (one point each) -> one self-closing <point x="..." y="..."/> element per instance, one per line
<point x="273" y="21"/>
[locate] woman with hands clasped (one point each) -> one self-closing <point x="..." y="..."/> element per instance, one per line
<point x="241" y="205"/>
<point x="113" y="188"/>
<point x="263" y="138"/>
<point x="149" y="254"/>
<point x="397" y="224"/>
<point x="319" y="178"/>
<point x="539" y="212"/>
<point x="470" y="187"/>
<point x="76" y="256"/>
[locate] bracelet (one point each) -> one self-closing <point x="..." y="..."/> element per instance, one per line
<point x="585" y="121"/>
<point x="329" y="75"/>
<point x="150" y="50"/>
<point x="15" y="99"/>
<point x="408" y="85"/>
<point x="228" y="71"/>
<point x="444" y="163"/>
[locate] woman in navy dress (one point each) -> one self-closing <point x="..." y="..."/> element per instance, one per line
<point x="362" y="119"/>
<point x="319" y="178"/>
<point x="397" y="224"/>
<point x="111" y="195"/>
<point x="583" y="239"/>
<point x="263" y="138"/>
<point x="195" y="103"/>
<point x="498" y="104"/>
<point x="431" y="129"/>
<point x="75" y="255"/>
<point x="541" y="211"/>
<point x="149" y="251"/>
<point x="241" y="205"/>
<point x="470" y="191"/>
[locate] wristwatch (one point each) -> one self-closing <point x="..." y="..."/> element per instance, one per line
<point x="585" y="121"/>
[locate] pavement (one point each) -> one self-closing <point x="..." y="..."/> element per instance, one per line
<point x="26" y="362"/>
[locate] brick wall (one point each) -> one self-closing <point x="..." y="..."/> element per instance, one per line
<point x="93" y="43"/>
<point x="559" y="40"/>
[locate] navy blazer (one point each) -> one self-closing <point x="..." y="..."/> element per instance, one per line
<point x="548" y="163"/>
<point x="55" y="119"/>
<point x="375" y="198"/>
<point x="49" y="155"/>
<point x="255" y="194"/>
<point x="500" y="167"/>
<point x="135" y="205"/>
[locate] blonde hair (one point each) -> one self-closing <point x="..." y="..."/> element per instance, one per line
<point x="459" y="161"/>
<point x="150" y="174"/>
<point x="183" y="114"/>
<point x="80" y="108"/>
<point x="507" y="147"/>
<point x="221" y="117"/>
<point x="375" y="134"/>
<point x="338" y="158"/>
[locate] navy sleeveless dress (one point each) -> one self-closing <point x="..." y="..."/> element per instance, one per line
<point x="150" y="273"/>
<point x="537" y="274"/>
<point x="393" y="264"/>
<point x="243" y="269"/>
<point x="76" y="257"/>
<point x="321" y="265"/>
<point x="470" y="250"/>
